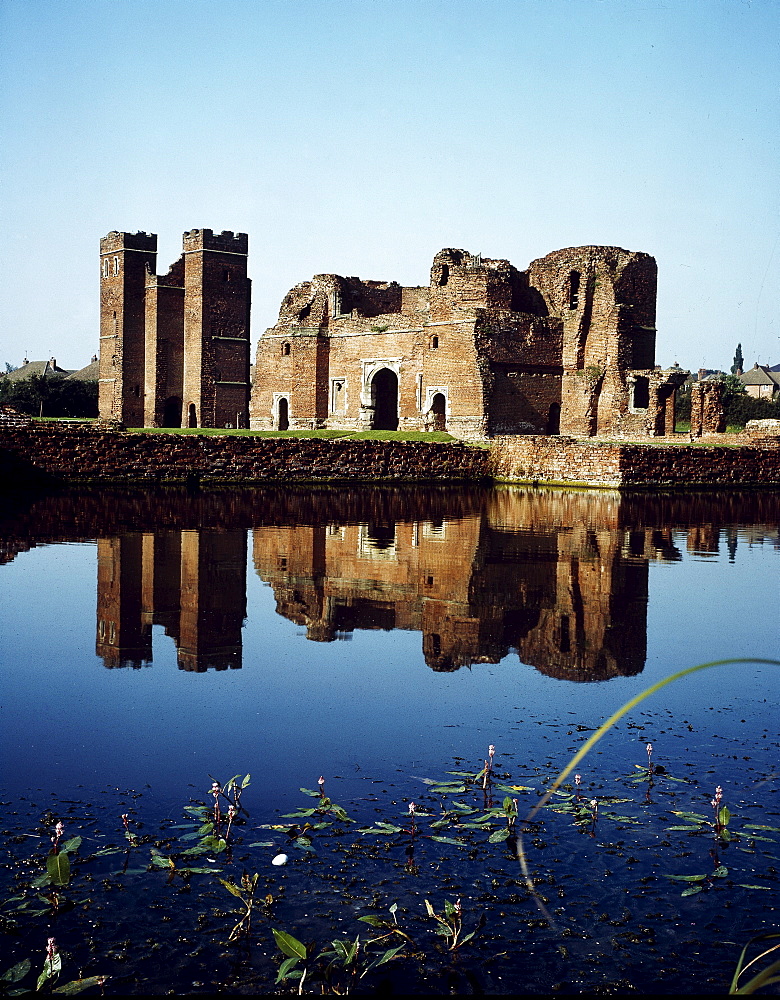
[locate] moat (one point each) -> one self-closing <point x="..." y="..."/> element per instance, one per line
<point x="384" y="639"/>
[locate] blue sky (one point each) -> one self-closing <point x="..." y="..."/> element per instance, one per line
<point x="361" y="137"/>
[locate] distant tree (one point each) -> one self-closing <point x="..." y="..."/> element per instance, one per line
<point x="55" y="396"/>
<point x="737" y="368"/>
<point x="9" y="367"/>
<point x="741" y="407"/>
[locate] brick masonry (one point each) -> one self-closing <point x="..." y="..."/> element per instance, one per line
<point x="78" y="453"/>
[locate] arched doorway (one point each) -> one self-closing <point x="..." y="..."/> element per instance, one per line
<point x="554" y="419"/>
<point x="439" y="412"/>
<point x="192" y="418"/>
<point x="283" y="419"/>
<point x="384" y="392"/>
<point x="172" y="412"/>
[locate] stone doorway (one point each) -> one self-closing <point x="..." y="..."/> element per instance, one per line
<point x="172" y="412"/>
<point x="439" y="412"/>
<point x="283" y="421"/>
<point x="384" y="392"/>
<point x="192" y="420"/>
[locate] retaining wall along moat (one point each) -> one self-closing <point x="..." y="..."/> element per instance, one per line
<point x="72" y="453"/>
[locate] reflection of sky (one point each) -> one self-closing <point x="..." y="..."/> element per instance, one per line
<point x="364" y="708"/>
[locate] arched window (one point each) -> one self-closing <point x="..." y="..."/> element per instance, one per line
<point x="434" y="342"/>
<point x="116" y="265"/>
<point x="105" y="267"/>
<point x="285" y="349"/>
<point x="444" y="277"/>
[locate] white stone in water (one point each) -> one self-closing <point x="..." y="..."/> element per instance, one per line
<point x="280" y="859"/>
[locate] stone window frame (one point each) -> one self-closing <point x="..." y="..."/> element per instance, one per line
<point x="632" y="387"/>
<point x="433" y="341"/>
<point x="285" y="350"/>
<point x="342" y="384"/>
<point x="430" y="392"/>
<point x="116" y="266"/>
<point x="106" y="267"/>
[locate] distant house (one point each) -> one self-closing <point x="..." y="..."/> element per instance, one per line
<point x="43" y="368"/>
<point x="762" y="382"/>
<point x="89" y="373"/>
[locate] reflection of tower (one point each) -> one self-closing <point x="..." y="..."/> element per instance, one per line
<point x="193" y="583"/>
<point x="213" y="599"/>
<point x="124" y="634"/>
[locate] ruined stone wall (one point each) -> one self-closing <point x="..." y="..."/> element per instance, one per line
<point x="79" y="454"/>
<point x="708" y="415"/>
<point x="611" y="464"/>
<point x="606" y="299"/>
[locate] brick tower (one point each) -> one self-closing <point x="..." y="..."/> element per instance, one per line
<point x="217" y="296"/>
<point x="125" y="259"/>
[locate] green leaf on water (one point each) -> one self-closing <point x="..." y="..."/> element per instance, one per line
<point x="16" y="972"/>
<point x="691" y="890"/>
<point x="58" y="869"/>
<point x="262" y="843"/>
<point x="762" y="826"/>
<point x="79" y="985"/>
<point x="448" y="840"/>
<point x="497" y="836"/>
<point x="687" y="878"/>
<point x="70" y="846"/>
<point x="720" y="872"/>
<point x="743" y="885"/>
<point x="289" y="945"/>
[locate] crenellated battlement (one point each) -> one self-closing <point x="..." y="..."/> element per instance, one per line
<point x="115" y="241"/>
<point x="205" y="239"/>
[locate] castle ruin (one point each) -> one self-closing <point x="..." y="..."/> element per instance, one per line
<point x="566" y="346"/>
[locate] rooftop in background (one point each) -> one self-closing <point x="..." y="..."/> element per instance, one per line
<point x="44" y="368"/>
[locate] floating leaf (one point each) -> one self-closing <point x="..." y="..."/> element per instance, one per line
<point x="742" y="885"/>
<point x="70" y="846"/>
<point x="687" y="878"/>
<point x="79" y="985"/>
<point x="448" y="840"/>
<point x="720" y="872"/>
<point x="16" y="972"/>
<point x="289" y="945"/>
<point x="691" y="890"/>
<point x="497" y="836"/>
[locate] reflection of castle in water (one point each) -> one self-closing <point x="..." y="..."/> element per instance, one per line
<point x="193" y="583"/>
<point x="559" y="578"/>
<point x="536" y="572"/>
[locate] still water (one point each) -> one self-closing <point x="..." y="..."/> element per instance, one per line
<point x="382" y="639"/>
